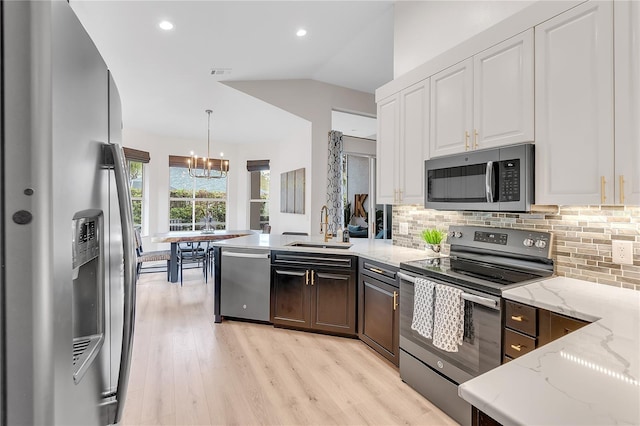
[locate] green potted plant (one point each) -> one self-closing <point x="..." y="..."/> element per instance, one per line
<point x="433" y="237"/>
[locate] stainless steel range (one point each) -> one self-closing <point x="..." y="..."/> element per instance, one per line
<point x="482" y="263"/>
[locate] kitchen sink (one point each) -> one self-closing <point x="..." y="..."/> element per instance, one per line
<point x="320" y="245"/>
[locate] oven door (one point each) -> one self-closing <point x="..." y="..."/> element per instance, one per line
<point x="481" y="348"/>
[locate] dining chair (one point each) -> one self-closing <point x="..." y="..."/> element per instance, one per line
<point x="151" y="256"/>
<point x="194" y="253"/>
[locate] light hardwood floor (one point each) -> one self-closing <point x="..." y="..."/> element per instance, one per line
<point x="187" y="370"/>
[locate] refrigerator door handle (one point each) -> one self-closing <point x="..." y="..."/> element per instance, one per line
<point x="118" y="162"/>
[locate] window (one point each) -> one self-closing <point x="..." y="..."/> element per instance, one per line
<point x="259" y="202"/>
<point x="259" y="180"/>
<point x="136" y="185"/>
<point x="135" y="162"/>
<point x="194" y="203"/>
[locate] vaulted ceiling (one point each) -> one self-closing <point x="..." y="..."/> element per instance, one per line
<point x="165" y="77"/>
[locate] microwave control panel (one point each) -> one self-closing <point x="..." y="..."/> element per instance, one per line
<point x="510" y="180"/>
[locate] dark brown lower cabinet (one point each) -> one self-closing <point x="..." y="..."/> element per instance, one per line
<point x="314" y="293"/>
<point x="478" y="418"/>
<point x="527" y="328"/>
<point x="378" y="313"/>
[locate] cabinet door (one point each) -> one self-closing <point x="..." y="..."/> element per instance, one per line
<point x="333" y="302"/>
<point x="574" y="106"/>
<point x="627" y="95"/>
<point x="413" y="149"/>
<point x="503" y="93"/>
<point x="386" y="148"/>
<point x="451" y="109"/>
<point x="290" y="297"/>
<point x="379" y="316"/>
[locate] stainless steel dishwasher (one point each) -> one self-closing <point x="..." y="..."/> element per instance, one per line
<point x="245" y="289"/>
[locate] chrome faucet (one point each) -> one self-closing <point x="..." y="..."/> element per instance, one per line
<point x="327" y="234"/>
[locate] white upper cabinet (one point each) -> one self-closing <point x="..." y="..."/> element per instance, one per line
<point x="451" y="109"/>
<point x="503" y="93"/>
<point x="574" y="107"/>
<point x="484" y="101"/>
<point x="414" y="118"/>
<point x="402" y="145"/>
<point x="386" y="148"/>
<point x="627" y="101"/>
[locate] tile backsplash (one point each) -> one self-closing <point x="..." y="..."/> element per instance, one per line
<point x="583" y="235"/>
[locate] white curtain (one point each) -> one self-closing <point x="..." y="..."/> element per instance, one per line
<point x="334" y="182"/>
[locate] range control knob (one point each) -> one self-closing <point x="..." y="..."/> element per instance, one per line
<point x="528" y="242"/>
<point x="541" y="244"/>
<point x="458" y="234"/>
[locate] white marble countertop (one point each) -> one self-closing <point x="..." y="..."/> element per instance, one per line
<point x="380" y="250"/>
<point x="589" y="377"/>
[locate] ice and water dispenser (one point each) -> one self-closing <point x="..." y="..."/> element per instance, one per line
<point x="88" y="311"/>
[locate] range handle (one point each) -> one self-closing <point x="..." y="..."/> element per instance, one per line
<point x="114" y="157"/>
<point x="406" y="277"/>
<point x="484" y="301"/>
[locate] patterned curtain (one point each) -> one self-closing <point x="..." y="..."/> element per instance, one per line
<point x="334" y="182"/>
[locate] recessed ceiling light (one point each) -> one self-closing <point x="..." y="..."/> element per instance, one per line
<point x="301" y="32"/>
<point x="165" y="25"/>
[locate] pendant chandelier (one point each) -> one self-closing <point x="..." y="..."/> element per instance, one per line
<point x="208" y="169"/>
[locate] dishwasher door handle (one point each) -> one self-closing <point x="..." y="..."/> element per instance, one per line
<point x="246" y="255"/>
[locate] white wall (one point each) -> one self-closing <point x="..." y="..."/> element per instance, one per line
<point x="313" y="101"/>
<point x="425" y="29"/>
<point x="293" y="152"/>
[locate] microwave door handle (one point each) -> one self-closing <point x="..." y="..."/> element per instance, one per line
<point x="488" y="182"/>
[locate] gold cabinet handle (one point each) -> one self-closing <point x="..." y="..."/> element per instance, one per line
<point x="395" y="300"/>
<point x="307" y="277"/>
<point x="313" y="281"/>
<point x="603" y="196"/>
<point x="395" y="195"/>
<point x="475" y="139"/>
<point x="400" y="195"/>
<point x="516" y="347"/>
<point x="380" y="271"/>
<point x="466" y="140"/>
<point x="516" y="318"/>
<point x="621" y="189"/>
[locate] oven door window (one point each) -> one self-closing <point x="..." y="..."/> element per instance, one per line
<point x="481" y="348"/>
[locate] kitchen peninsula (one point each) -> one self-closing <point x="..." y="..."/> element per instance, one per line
<point x="377" y="250"/>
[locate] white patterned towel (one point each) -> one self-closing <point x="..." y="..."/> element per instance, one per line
<point x="448" y="322"/>
<point x="423" y="307"/>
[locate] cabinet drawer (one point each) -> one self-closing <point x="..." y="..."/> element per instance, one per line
<point x="516" y="344"/>
<point x="521" y="317"/>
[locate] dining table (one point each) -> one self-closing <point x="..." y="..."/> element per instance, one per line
<point x="177" y="237"/>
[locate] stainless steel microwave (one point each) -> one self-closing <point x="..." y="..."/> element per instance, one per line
<point x="497" y="179"/>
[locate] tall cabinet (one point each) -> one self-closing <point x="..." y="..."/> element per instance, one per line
<point x="402" y="145"/>
<point x="574" y="106"/>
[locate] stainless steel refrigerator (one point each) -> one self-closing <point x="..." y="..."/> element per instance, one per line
<point x="67" y="290"/>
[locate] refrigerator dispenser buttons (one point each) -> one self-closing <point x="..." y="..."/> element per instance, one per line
<point x="22" y="217"/>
